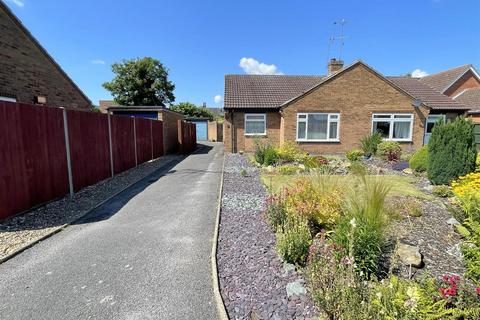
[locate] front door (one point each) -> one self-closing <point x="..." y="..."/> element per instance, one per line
<point x="429" y="123"/>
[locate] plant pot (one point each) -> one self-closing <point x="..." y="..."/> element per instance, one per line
<point x="367" y="156"/>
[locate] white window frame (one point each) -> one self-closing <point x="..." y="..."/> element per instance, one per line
<point x="9" y="99"/>
<point x="328" y="139"/>
<point x="256" y="120"/>
<point x="392" y="120"/>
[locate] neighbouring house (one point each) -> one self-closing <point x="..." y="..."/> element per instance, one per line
<point x="330" y="114"/>
<point x="461" y="84"/>
<point x="28" y="74"/>
<point x="168" y="117"/>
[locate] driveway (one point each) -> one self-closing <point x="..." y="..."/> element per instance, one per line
<point x="143" y="255"/>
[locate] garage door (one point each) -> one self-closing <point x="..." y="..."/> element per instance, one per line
<point x="201" y="130"/>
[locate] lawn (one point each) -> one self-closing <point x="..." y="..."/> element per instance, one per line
<point x="400" y="185"/>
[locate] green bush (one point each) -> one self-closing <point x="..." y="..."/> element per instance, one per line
<point x="270" y="156"/>
<point x="362" y="227"/>
<point x="452" y="151"/>
<point x="370" y="143"/>
<point x="288" y="169"/>
<point x="419" y="160"/>
<point x="358" y="168"/>
<point x="442" y="191"/>
<point x="294" y="240"/>
<point x="354" y="155"/>
<point x="390" y="150"/>
<point x="288" y="152"/>
<point x="276" y="213"/>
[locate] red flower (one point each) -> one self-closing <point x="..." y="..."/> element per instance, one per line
<point x="478" y="291"/>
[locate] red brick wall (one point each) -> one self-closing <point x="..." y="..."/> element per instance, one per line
<point x="356" y="94"/>
<point x="170" y="130"/>
<point x="26" y="72"/>
<point x="467" y="81"/>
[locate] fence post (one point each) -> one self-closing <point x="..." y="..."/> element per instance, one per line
<point x="135" y="141"/>
<point x="110" y="144"/>
<point x="151" y="136"/>
<point x="67" y="147"/>
<point x="180" y="135"/>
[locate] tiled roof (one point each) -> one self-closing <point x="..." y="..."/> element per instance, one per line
<point x="439" y="81"/>
<point x="264" y="91"/>
<point x="426" y="94"/>
<point x="471" y="98"/>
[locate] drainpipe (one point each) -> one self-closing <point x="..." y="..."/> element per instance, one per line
<point x="233" y="132"/>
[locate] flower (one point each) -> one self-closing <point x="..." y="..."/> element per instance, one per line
<point x="353" y="222"/>
<point x="478" y="291"/>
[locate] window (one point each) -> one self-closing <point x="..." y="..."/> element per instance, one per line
<point x="2" y="98"/>
<point x="255" y="124"/>
<point x="395" y="127"/>
<point x="317" y="126"/>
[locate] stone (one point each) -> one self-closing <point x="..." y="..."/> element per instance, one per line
<point x="269" y="169"/>
<point x="288" y="268"/>
<point x="409" y="255"/>
<point x="295" y="289"/>
<point x="452" y="221"/>
<point x="407" y="171"/>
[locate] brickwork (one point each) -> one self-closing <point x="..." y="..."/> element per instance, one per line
<point x="27" y="71"/>
<point x="170" y="130"/>
<point x="467" y="81"/>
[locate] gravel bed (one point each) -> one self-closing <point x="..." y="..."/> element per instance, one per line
<point x="20" y="230"/>
<point x="252" y="277"/>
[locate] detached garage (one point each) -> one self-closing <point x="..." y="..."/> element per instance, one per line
<point x="202" y="128"/>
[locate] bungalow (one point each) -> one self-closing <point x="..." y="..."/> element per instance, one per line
<point x="330" y="114"/>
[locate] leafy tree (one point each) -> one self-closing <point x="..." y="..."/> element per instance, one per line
<point x="141" y="82"/>
<point x="452" y="151"/>
<point x="191" y="110"/>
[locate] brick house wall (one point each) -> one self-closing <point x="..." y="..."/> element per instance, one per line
<point x="356" y="95"/>
<point x="170" y="129"/>
<point x="246" y="143"/>
<point x="466" y="81"/>
<point x="27" y="71"/>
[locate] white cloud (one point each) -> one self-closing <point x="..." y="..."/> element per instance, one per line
<point x="417" y="73"/>
<point x="252" y="66"/>
<point x="218" y="98"/>
<point x="98" y="61"/>
<point x="19" y="3"/>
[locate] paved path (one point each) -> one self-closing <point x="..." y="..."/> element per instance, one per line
<point x="143" y="255"/>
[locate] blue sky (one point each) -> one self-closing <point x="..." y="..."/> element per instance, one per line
<point x="201" y="41"/>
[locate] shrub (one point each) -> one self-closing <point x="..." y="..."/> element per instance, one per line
<point x="363" y="225"/>
<point x="317" y="199"/>
<point x="452" y="151"/>
<point x="419" y="160"/>
<point x="270" y="156"/>
<point x="358" y="168"/>
<point x="313" y="161"/>
<point x="288" y="152"/>
<point x="334" y="284"/>
<point x="294" y="240"/>
<point x="442" y="191"/>
<point x="370" y="143"/>
<point x="477" y="163"/>
<point x="390" y="150"/>
<point x="276" y="214"/>
<point x="406" y="156"/>
<point x="288" y="169"/>
<point x="354" y="155"/>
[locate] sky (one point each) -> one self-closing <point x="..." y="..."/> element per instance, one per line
<point x="201" y="41"/>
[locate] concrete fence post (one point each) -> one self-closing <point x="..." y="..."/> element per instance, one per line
<point x="135" y="141"/>
<point x="110" y="144"/>
<point x="67" y="148"/>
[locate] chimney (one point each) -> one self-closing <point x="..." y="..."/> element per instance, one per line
<point x="334" y="66"/>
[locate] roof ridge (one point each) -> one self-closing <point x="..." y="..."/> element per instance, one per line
<point x="469" y="65"/>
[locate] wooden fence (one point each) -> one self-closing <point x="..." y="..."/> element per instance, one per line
<point x="187" y="136"/>
<point x="47" y="152"/>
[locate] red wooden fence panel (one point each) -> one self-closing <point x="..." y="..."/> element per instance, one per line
<point x="33" y="165"/>
<point x="123" y="143"/>
<point x="157" y="133"/>
<point x="144" y="139"/>
<point x="89" y="147"/>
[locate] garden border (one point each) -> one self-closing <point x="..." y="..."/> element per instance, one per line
<point x="64" y="226"/>
<point x="222" y="312"/>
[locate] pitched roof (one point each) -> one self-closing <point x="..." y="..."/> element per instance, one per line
<point x="470" y="97"/>
<point x="430" y="97"/>
<point x="442" y="80"/>
<point x="264" y="91"/>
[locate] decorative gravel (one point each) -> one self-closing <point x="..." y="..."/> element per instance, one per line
<point x="18" y="231"/>
<point x="252" y="277"/>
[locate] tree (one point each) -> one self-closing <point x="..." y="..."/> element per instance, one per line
<point x="193" y="111"/>
<point x="452" y="151"/>
<point x="141" y="82"/>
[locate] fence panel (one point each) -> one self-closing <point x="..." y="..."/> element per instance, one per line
<point x="157" y="133"/>
<point x="123" y="143"/>
<point x="33" y="165"/>
<point x="144" y="139"/>
<point x="89" y="147"/>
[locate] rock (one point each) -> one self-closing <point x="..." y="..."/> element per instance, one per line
<point x="270" y="169"/>
<point x="409" y="255"/>
<point x="288" y="268"/>
<point x="407" y="171"/>
<point x="452" y="221"/>
<point x="301" y="166"/>
<point x="295" y="289"/>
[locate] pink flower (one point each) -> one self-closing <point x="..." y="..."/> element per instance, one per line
<point x="478" y="291"/>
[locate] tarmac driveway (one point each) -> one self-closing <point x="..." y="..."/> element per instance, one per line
<point x="143" y="255"/>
